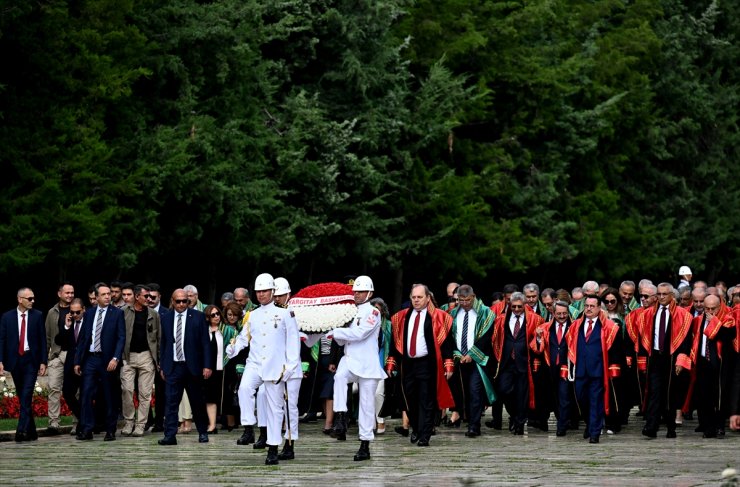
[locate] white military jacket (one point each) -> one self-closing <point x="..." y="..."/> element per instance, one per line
<point x="271" y="333"/>
<point x="360" y="342"/>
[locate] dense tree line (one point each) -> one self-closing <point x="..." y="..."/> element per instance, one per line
<point x="434" y="139"/>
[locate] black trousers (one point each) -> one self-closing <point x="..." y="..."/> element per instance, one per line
<point x="469" y="394"/>
<point x="420" y="394"/>
<point x="71" y="387"/>
<point x="513" y="387"/>
<point x="706" y="395"/>
<point x="662" y="385"/>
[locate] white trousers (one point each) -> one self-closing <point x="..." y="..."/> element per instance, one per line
<point x="379" y="400"/>
<point x="366" y="416"/>
<point x="273" y="409"/>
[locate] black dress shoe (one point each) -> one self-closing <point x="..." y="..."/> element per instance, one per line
<point x="422" y="443"/>
<point x="585" y="433"/>
<point x="454" y="424"/>
<point x="52" y="431"/>
<point x="671" y="434"/>
<point x="84" y="436"/>
<point x="700" y="429"/>
<point x="649" y="433"/>
<point x="472" y="434"/>
<point x="20" y="437"/>
<point x="593" y="439"/>
<point x="560" y="432"/>
<point x="32" y="436"/>
<point x="157" y="429"/>
<point x="709" y="434"/>
<point x="414" y="438"/>
<point x="214" y="431"/>
<point x="519" y="430"/>
<point x="168" y="440"/>
<point x="110" y="437"/>
<point x="401" y="431"/>
<point x="493" y="424"/>
<point x="203" y="438"/>
<point x="720" y="432"/>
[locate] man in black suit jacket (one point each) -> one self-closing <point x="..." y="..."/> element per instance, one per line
<point x="184" y="354"/>
<point x="23" y="353"/>
<point x="99" y="350"/>
<point x="67" y="340"/>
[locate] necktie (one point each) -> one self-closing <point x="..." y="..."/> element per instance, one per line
<point x="560" y="333"/>
<point x="22" y="342"/>
<point x="464" y="340"/>
<point x="77" y="329"/>
<point x="517" y="327"/>
<point x="98" y="332"/>
<point x="661" y="329"/>
<point x="178" y="339"/>
<point x="414" y="332"/>
<point x="706" y="340"/>
<point x="589" y="328"/>
<point x="560" y="339"/>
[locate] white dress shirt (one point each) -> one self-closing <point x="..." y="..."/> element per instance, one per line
<point x="421" y="344"/>
<point x="95" y="327"/>
<point x="472" y="316"/>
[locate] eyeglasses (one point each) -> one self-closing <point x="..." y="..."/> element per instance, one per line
<point x="213" y="315"/>
<point x="148" y="296"/>
<point x="646" y="296"/>
<point x="611" y="301"/>
<point x="516" y="306"/>
<point x="31" y="298"/>
<point x="75" y="313"/>
<point x="182" y="301"/>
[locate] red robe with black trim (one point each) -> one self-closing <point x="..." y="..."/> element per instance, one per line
<point x="680" y="333"/>
<point x="723" y="320"/>
<point x="441" y="326"/>
<point x="609" y="333"/>
<point x="533" y="320"/>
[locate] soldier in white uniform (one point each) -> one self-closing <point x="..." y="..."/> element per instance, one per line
<point x="271" y="333"/>
<point x="293" y="385"/>
<point x="360" y="364"/>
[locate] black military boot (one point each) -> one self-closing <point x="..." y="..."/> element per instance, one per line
<point x="364" y="452"/>
<point x="261" y="442"/>
<point x="340" y="426"/>
<point x="287" y="453"/>
<point x="247" y="437"/>
<point x="272" y="455"/>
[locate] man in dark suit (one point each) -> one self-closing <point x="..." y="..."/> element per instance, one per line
<point x="67" y="341"/>
<point x="550" y="343"/>
<point x="593" y="349"/>
<point x="23" y="353"/>
<point x="99" y="351"/>
<point x="184" y="353"/>
<point x="422" y="349"/>
<point x="512" y="334"/>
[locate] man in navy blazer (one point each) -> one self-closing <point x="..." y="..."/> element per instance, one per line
<point x="99" y="350"/>
<point x="23" y="353"/>
<point x="184" y="354"/>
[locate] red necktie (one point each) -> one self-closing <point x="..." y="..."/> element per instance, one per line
<point x="560" y="333"/>
<point x="517" y="327"/>
<point x="414" y="332"/>
<point x="22" y="343"/>
<point x="661" y="330"/>
<point x="589" y="328"/>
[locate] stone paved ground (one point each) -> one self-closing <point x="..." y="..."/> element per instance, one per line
<point x="496" y="458"/>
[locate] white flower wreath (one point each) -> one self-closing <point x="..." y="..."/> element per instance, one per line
<point x="323" y="318"/>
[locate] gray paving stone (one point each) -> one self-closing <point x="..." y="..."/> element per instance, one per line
<point x="496" y="458"/>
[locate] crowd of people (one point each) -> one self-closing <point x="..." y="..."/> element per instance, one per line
<point x="596" y="357"/>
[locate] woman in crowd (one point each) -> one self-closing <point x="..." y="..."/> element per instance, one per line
<point x="230" y="384"/>
<point x="213" y="386"/>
